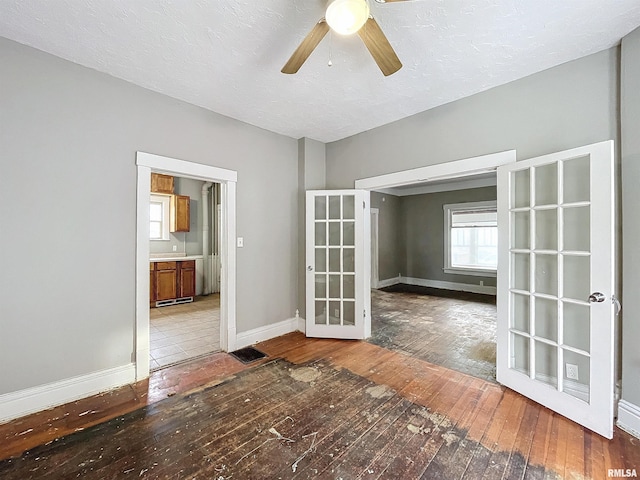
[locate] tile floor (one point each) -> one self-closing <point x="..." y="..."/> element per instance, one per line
<point x="180" y="332"/>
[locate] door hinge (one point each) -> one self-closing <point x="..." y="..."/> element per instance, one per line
<point x="364" y="313"/>
<point x="364" y="205"/>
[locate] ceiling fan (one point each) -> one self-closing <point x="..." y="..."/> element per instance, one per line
<point x="347" y="17"/>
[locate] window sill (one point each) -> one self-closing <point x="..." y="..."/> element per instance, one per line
<point x="476" y="272"/>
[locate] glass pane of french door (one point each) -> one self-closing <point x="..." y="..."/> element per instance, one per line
<point x="555" y="220"/>
<point x="551" y="272"/>
<point x="334" y="253"/>
<point x="337" y="290"/>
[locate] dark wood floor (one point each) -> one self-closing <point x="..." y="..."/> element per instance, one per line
<point x="456" y="330"/>
<point x="313" y="409"/>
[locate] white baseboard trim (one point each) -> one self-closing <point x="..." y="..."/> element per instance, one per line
<point x="388" y="282"/>
<point x="302" y="325"/>
<point x="260" y="334"/>
<point x="629" y="418"/>
<point x="462" y="287"/>
<point x="577" y="389"/>
<point x="30" y="400"/>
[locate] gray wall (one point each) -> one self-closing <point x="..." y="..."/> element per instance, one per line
<point x="185" y="242"/>
<point x="391" y="246"/>
<point x="567" y="106"/>
<point x="69" y="137"/>
<point x="630" y="123"/>
<point x="311" y="176"/>
<point x="423" y="226"/>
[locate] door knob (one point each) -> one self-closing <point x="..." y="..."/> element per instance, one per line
<point x="597" y="297"/>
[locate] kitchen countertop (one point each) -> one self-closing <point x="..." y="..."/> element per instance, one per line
<point x="168" y="257"/>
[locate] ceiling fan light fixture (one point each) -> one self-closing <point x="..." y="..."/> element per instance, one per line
<point x="347" y="16"/>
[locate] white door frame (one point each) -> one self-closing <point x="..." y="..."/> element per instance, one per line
<point x="439" y="171"/>
<point x="375" y="264"/>
<point x="227" y="179"/>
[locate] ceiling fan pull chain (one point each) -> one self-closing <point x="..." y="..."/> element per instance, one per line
<point x="330" y="63"/>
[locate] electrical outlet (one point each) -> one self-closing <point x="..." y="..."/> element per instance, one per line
<point x="337" y="313"/>
<point x="175" y="248"/>
<point x="572" y="371"/>
<point x="482" y="283"/>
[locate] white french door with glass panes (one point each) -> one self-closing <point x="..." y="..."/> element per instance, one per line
<point x="338" y="250"/>
<point x="555" y="333"/>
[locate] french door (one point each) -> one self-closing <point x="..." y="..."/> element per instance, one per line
<point x="555" y="335"/>
<point x="338" y="243"/>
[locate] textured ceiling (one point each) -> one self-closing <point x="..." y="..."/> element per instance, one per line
<point x="226" y="55"/>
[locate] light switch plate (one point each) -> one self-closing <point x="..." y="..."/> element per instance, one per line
<point x="240" y="242"/>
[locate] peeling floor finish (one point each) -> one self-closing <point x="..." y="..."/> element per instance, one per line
<point x="261" y="423"/>
<point x="456" y="330"/>
<point x="289" y="430"/>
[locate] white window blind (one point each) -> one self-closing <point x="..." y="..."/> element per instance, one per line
<point x="472" y="237"/>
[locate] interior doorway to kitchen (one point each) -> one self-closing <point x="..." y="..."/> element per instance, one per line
<point x="184" y="284"/>
<point x="184" y="274"/>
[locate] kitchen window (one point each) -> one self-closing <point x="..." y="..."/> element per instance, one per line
<point x="159" y="217"/>
<point x="471" y="238"/>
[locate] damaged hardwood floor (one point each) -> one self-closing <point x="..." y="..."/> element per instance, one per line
<point x="453" y="329"/>
<point x="313" y="409"/>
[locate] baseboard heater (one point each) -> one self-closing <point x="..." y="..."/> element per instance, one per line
<point x="173" y="301"/>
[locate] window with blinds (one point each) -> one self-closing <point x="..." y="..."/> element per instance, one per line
<point x="471" y="237"/>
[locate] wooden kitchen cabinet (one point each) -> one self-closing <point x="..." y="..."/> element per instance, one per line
<point x="161" y="183"/>
<point x="172" y="282"/>
<point x="187" y="279"/>
<point x="152" y="284"/>
<point x="166" y="280"/>
<point x="179" y="213"/>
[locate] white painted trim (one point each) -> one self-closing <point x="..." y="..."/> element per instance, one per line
<point x="375" y="250"/>
<point x="389" y="282"/>
<point x="629" y="418"/>
<point x="423" y="282"/>
<point x="440" y="171"/>
<point x="227" y="179"/>
<point x="468" y="271"/>
<point x="440" y="187"/>
<point x="228" y="267"/>
<point x="302" y="325"/>
<point x="24" y="402"/>
<point x="142" y="272"/>
<point x="576" y="389"/>
<point x="267" y="332"/>
<point x="174" y="166"/>
<point x="461" y="287"/>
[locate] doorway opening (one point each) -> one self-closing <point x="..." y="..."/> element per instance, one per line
<point x="422" y="304"/>
<point x="184" y="283"/>
<point x="181" y="268"/>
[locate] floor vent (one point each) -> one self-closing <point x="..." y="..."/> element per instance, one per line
<point x="174" y="301"/>
<point x="248" y="354"/>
